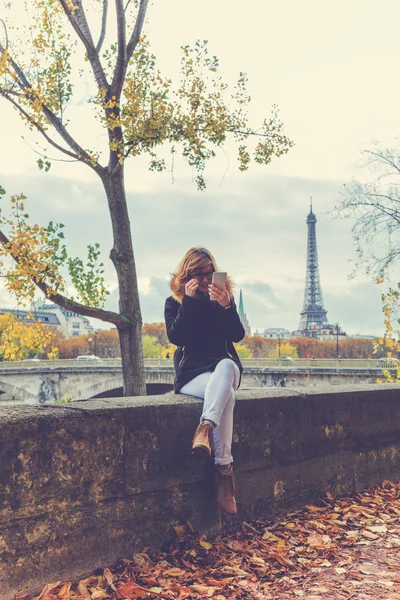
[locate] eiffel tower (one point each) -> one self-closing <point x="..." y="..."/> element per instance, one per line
<point x="313" y="315"/>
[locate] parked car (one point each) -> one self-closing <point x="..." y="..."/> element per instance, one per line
<point x="288" y="358"/>
<point x="87" y="357"/>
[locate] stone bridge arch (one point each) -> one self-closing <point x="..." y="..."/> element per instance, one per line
<point x="99" y="388"/>
<point x="17" y="393"/>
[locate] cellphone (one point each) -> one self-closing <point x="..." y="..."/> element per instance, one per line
<point x="219" y="277"/>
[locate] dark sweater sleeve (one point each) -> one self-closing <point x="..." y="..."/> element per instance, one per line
<point x="180" y="319"/>
<point x="233" y="328"/>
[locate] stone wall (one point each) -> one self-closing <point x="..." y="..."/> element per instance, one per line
<point x="84" y="484"/>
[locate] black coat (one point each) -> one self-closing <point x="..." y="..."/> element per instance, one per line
<point x="203" y="332"/>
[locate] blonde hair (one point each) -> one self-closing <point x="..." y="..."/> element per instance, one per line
<point x="195" y="259"/>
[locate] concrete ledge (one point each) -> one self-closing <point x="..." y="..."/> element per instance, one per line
<point x="84" y="484"/>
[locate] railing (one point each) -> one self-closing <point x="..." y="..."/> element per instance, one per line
<point x="329" y="363"/>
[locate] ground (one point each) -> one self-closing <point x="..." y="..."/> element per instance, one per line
<point x="347" y="548"/>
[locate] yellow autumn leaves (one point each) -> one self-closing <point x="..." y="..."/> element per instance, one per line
<point x="19" y="340"/>
<point x="33" y="254"/>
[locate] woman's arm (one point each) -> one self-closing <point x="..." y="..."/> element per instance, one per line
<point x="180" y="319"/>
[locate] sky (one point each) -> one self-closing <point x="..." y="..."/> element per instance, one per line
<point x="330" y="69"/>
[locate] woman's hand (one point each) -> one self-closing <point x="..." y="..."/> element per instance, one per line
<point x="220" y="294"/>
<point x="191" y="288"/>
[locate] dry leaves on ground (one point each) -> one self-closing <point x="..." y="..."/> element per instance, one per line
<point x="346" y="548"/>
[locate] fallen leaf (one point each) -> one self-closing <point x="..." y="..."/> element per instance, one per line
<point x="174" y="572"/>
<point x="47" y="591"/>
<point x="326" y="563"/>
<point x="140" y="560"/>
<point x="131" y="590"/>
<point x="352" y="534"/>
<point x="65" y="592"/>
<point x="109" y="578"/>
<point x="368" y="534"/>
<point x="205" y="545"/>
<point x="368" y="569"/>
<point x="317" y="540"/>
<point x="270" y="537"/>
<point x="203" y="589"/>
<point x="84" y="592"/>
<point x="180" y="529"/>
<point x="258" y="561"/>
<point x="99" y="595"/>
<point x="377" y="528"/>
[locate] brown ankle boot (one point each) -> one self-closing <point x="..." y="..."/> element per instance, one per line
<point x="203" y="442"/>
<point x="225" y="484"/>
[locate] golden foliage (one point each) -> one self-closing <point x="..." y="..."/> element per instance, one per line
<point x="286" y="349"/>
<point x="34" y="251"/>
<point x="391" y="340"/>
<point x="38" y="255"/>
<point x="18" y="340"/>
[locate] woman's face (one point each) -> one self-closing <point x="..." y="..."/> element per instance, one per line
<point x="204" y="276"/>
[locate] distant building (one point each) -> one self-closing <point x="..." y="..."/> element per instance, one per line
<point x="328" y="333"/>
<point x="71" y="323"/>
<point x="29" y="317"/>
<point x="243" y="316"/>
<point x="275" y="333"/>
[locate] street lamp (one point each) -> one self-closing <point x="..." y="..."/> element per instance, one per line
<point x="279" y="346"/>
<point x="90" y="345"/>
<point x="337" y="339"/>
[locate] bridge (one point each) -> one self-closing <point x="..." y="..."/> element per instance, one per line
<point x="48" y="381"/>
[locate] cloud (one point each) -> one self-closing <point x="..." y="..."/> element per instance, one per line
<point x="152" y="299"/>
<point x="152" y="302"/>
<point x="254" y="224"/>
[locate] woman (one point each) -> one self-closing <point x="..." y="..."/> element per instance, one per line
<point x="202" y="320"/>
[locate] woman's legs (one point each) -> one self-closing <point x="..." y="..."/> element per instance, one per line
<point x="217" y="389"/>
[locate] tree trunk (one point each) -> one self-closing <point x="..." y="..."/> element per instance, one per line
<point x="130" y="335"/>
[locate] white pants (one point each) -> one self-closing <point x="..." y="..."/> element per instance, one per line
<point x="217" y="389"/>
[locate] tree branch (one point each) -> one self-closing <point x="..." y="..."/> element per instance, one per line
<point x="79" y="23"/>
<point x="22" y="81"/>
<point x="103" y="27"/>
<point x="122" y="62"/>
<point x="379" y="156"/>
<point x="25" y="85"/>
<point x="137" y="30"/>
<point x="6" y="32"/>
<point x="88" y="311"/>
<point x="37" y="126"/>
<point x="126" y="5"/>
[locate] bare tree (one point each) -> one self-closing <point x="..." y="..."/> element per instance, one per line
<point x="375" y="206"/>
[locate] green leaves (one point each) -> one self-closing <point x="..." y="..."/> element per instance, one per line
<point x="44" y="165"/>
<point x="88" y="278"/>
